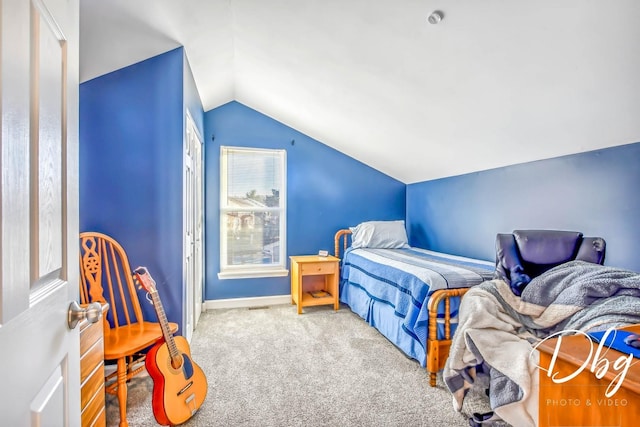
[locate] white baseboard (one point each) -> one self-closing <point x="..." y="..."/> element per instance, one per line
<point x="214" y="304"/>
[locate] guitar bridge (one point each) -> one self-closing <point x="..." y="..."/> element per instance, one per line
<point x="189" y="400"/>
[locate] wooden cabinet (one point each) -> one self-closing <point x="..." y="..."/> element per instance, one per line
<point x="92" y="395"/>
<point x="314" y="281"/>
<point x="581" y="401"/>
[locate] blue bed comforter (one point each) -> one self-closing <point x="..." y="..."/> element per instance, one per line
<point x="390" y="289"/>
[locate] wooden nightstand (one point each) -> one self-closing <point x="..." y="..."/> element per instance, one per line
<point x="314" y="281"/>
<point x="92" y="396"/>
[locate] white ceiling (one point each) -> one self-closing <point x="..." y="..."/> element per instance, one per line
<point x="497" y="82"/>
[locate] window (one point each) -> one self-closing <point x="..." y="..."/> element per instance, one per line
<point x="252" y="212"/>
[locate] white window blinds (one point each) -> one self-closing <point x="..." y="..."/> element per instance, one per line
<point x="252" y="212"/>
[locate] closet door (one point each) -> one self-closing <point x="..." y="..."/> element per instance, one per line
<point x="194" y="227"/>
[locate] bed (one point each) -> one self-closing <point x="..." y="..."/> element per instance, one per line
<point x="408" y="294"/>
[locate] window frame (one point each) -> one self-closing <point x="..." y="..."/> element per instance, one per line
<point x="252" y="270"/>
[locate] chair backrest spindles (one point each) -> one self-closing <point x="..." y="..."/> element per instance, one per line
<point x="106" y="277"/>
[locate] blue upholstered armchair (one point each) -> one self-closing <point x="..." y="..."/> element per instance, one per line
<point x="525" y="254"/>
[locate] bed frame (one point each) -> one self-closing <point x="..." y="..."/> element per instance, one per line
<point x="437" y="349"/>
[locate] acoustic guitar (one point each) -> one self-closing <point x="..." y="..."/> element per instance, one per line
<point x="179" y="385"/>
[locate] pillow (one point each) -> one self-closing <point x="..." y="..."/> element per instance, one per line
<point x="379" y="234"/>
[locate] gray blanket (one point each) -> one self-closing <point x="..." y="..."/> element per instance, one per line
<point x="497" y="330"/>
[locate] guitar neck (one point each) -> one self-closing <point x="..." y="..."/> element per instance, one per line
<point x="164" y="324"/>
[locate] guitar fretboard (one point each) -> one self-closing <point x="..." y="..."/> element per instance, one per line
<point x="164" y="325"/>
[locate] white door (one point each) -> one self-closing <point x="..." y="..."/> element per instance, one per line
<point x="198" y="251"/>
<point x="39" y="361"/>
<point x="194" y="239"/>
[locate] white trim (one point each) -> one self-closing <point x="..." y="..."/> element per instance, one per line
<point x="195" y="128"/>
<point x="215" y="304"/>
<point x="192" y="180"/>
<point x="230" y="271"/>
<point x="251" y="274"/>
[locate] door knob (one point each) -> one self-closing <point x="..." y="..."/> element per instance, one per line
<point x="76" y="313"/>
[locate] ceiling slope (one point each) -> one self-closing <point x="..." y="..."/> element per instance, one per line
<point x="495" y="83"/>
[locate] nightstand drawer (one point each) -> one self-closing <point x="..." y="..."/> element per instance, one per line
<point x="89" y="360"/>
<point x="91" y="386"/>
<point x="318" y="268"/>
<point x="89" y="334"/>
<point x="94" y="413"/>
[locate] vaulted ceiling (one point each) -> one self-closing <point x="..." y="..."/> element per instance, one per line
<point x="496" y="82"/>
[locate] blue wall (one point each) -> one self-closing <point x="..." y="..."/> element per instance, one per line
<point x="594" y="192"/>
<point x="326" y="191"/>
<point x="131" y="148"/>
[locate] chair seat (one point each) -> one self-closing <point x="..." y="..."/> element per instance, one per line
<point x="126" y="339"/>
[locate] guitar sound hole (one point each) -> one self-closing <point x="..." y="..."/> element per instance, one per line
<point x="177" y="362"/>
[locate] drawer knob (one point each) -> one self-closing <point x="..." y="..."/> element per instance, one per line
<point x="76" y="313"/>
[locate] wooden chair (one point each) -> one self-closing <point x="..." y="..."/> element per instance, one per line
<point x="106" y="276"/>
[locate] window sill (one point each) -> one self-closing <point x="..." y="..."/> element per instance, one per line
<point x="252" y="274"/>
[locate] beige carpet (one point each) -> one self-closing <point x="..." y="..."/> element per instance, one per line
<point x="272" y="367"/>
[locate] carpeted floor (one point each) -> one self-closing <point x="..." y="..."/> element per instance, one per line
<point x="271" y="367"/>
